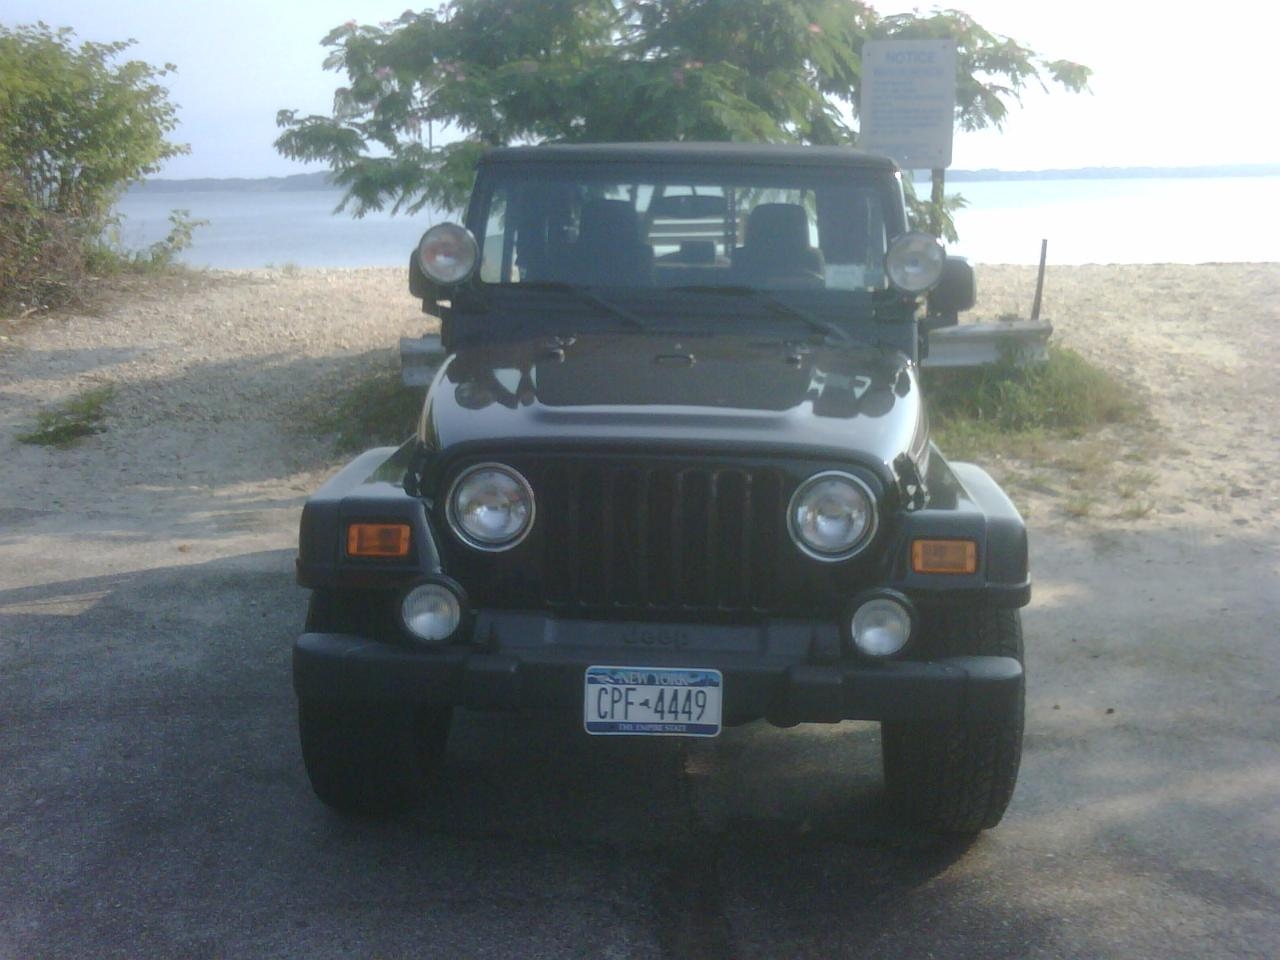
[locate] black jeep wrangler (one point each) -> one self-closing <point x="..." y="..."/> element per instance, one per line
<point x="674" y="473"/>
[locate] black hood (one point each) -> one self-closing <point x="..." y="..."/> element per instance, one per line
<point x="675" y="390"/>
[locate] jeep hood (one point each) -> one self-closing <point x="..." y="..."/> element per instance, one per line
<point x="678" y="391"/>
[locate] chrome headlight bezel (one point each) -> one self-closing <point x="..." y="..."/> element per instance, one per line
<point x="857" y="543"/>
<point x="477" y="541"/>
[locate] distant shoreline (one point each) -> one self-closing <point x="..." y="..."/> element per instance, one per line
<point x="300" y="182"/>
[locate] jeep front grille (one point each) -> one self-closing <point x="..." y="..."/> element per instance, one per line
<point x="673" y="537"/>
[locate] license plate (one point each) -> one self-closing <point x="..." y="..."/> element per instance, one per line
<point x="652" y="702"/>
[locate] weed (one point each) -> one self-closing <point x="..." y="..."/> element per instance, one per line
<point x="374" y="409"/>
<point x="1054" y="424"/>
<point x="1066" y="395"/>
<point x="1080" y="506"/>
<point x="1138" y="509"/>
<point x="81" y="416"/>
<point x="108" y="257"/>
<point x="1135" y="483"/>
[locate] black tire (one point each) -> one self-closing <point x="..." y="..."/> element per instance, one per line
<point x="367" y="758"/>
<point x="958" y="776"/>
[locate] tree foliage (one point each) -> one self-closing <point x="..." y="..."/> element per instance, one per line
<point x="498" y="72"/>
<point x="76" y="127"/>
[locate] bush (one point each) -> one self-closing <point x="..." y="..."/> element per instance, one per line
<point x="41" y="253"/>
<point x="106" y="256"/>
<point x="76" y="128"/>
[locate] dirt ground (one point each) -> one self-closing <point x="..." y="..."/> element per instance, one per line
<point x="211" y="370"/>
<point x="145" y="593"/>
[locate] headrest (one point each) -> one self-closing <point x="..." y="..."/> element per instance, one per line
<point x="605" y="221"/>
<point x="778" y="226"/>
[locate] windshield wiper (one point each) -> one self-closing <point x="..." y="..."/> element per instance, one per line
<point x="779" y="306"/>
<point x="587" y="295"/>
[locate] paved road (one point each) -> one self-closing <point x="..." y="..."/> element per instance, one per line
<point x="153" y="803"/>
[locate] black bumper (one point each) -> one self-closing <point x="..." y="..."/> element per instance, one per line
<point x="788" y="671"/>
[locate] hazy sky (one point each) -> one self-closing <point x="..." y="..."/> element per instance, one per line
<point x="1174" y="84"/>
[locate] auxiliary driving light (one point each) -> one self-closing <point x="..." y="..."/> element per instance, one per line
<point x="431" y="612"/>
<point x="881" y="625"/>
<point x="915" y="262"/>
<point x="448" y="253"/>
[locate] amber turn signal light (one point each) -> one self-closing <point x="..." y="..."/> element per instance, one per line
<point x="378" y="540"/>
<point x="944" y="556"/>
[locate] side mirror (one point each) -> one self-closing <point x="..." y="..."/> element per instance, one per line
<point x="957" y="290"/>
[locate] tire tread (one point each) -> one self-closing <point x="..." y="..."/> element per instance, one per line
<point x="959" y="776"/>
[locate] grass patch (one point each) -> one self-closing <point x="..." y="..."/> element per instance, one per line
<point x="1055" y="429"/>
<point x="371" y="410"/>
<point x="81" y="416"/>
<point x="1065" y="396"/>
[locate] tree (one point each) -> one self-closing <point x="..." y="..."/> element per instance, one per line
<point x="76" y="127"/>
<point x="497" y="72"/>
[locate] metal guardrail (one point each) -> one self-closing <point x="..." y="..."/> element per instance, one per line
<point x="979" y="344"/>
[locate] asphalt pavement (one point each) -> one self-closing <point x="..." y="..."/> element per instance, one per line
<point x="153" y="802"/>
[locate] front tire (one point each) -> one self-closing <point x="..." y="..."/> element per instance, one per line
<point x="367" y="758"/>
<point x="957" y="776"/>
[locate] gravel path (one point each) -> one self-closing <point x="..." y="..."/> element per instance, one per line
<point x="210" y="373"/>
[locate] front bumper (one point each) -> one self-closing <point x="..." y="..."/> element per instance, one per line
<point x="787" y="671"/>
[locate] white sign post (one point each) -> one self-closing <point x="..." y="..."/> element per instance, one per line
<point x="908" y="104"/>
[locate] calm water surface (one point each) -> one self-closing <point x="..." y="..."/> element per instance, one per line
<point x="1191" y="220"/>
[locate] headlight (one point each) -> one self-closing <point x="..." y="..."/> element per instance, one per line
<point x="431" y="612"/>
<point x="448" y="253"/>
<point x="832" y="516"/>
<point x="491" y="507"/>
<point x="914" y="262"/>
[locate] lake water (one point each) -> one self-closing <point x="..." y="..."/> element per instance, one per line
<point x="1164" y="220"/>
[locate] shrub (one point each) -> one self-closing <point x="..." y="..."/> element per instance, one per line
<point x="42" y="253"/>
<point x="76" y="127"/>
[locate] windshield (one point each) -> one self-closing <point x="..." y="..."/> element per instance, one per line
<point x="658" y="226"/>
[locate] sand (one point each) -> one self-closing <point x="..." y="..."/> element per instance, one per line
<point x="211" y="370"/>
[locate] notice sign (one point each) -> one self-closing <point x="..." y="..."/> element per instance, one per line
<point x="909" y="101"/>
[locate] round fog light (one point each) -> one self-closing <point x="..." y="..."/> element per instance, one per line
<point x="881" y="627"/>
<point x="431" y="612"/>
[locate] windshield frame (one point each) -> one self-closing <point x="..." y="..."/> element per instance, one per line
<point x="724" y="171"/>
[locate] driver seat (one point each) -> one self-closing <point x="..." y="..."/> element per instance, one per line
<point x="609" y="251"/>
<point x="776" y="248"/>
